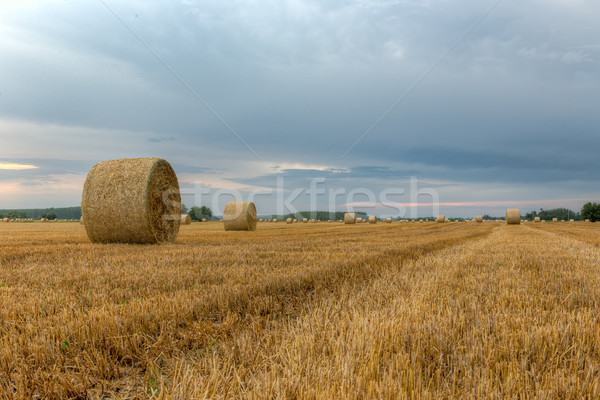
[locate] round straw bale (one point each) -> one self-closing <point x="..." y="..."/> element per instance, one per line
<point x="6" y="220"/>
<point x="294" y="220"/>
<point x="359" y="219"/>
<point x="289" y="221"/>
<point x="131" y="201"/>
<point x="554" y="219"/>
<point x="81" y="220"/>
<point x="441" y="218"/>
<point x="536" y="219"/>
<point x="186" y="219"/>
<point x="41" y="220"/>
<point x="388" y="220"/>
<point x="305" y="220"/>
<point x="239" y="216"/>
<point x="372" y="219"/>
<point x="513" y="216"/>
<point x="203" y="219"/>
<point x="479" y="218"/>
<point x="349" y="218"/>
<point x="571" y="220"/>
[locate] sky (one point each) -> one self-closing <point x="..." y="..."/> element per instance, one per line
<point x="382" y="106"/>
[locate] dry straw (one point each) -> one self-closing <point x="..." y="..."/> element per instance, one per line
<point x="81" y="220"/>
<point x="479" y="218"/>
<point x="186" y="219"/>
<point x="131" y="201"/>
<point x="289" y="221"/>
<point x="305" y="220"/>
<point x="554" y="219"/>
<point x="349" y="218"/>
<point x="513" y="216"/>
<point x="372" y="219"/>
<point x="388" y="220"/>
<point x="6" y="220"/>
<point x="536" y="219"/>
<point x="239" y="216"/>
<point x="441" y="218"/>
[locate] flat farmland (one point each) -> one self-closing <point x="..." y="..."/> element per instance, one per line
<point x="305" y="311"/>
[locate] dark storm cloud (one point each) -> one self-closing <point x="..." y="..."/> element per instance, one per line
<point x="301" y="81"/>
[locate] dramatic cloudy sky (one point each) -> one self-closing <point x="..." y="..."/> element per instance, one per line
<point x="252" y="97"/>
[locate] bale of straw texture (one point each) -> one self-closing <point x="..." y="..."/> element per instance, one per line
<point x="41" y="220"/>
<point x="131" y="201"/>
<point x="81" y="220"/>
<point x="441" y="218"/>
<point x="554" y="219"/>
<point x="513" y="216"/>
<point x="6" y="220"/>
<point x="203" y="219"/>
<point x="305" y="220"/>
<point x="239" y="216"/>
<point x="372" y="219"/>
<point x="274" y="219"/>
<point x="587" y="220"/>
<point x="359" y="219"/>
<point x="288" y="221"/>
<point x="349" y="218"/>
<point x="536" y="219"/>
<point x="185" y="219"/>
<point x="388" y="220"/>
<point x="571" y="220"/>
<point x="294" y="220"/>
<point x="479" y="218"/>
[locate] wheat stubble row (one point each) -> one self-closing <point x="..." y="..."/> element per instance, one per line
<point x="125" y="321"/>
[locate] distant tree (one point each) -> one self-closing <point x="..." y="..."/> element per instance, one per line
<point x="591" y="211"/>
<point x="184" y="209"/>
<point x="51" y="216"/>
<point x="206" y="212"/>
<point x="198" y="213"/>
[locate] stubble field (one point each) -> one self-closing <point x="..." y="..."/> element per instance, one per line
<point x="413" y="310"/>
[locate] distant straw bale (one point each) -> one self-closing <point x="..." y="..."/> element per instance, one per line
<point x="349" y="218"/>
<point x="239" y="216"/>
<point x="513" y="216"/>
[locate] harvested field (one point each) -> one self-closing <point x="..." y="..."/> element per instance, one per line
<point x="302" y="311"/>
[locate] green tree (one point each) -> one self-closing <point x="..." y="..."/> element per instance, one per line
<point x="184" y="209"/>
<point x="206" y="212"/>
<point x="591" y="211"/>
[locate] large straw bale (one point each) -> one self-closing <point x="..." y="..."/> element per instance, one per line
<point x="239" y="216"/>
<point x="131" y="201"/>
<point x="289" y="221"/>
<point x="441" y="218"/>
<point x="372" y="219"/>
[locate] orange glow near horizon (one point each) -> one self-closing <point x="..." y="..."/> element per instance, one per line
<point x="16" y="167"/>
